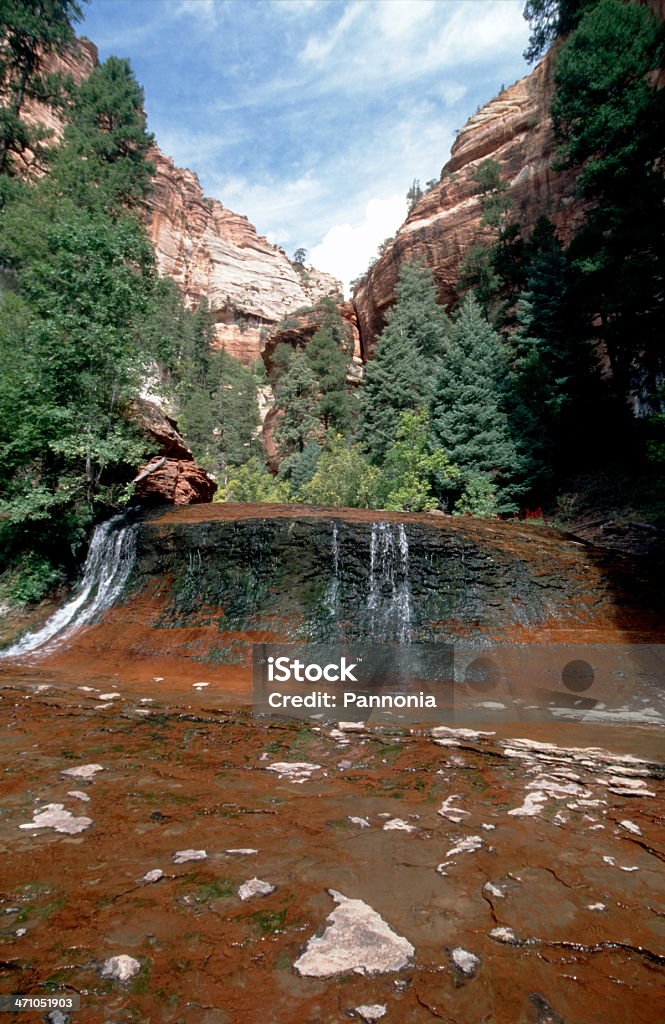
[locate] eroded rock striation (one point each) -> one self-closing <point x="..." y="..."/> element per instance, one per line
<point x="215" y="254"/>
<point x="515" y="129"/>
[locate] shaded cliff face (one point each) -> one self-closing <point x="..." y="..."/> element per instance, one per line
<point x="514" y="129"/>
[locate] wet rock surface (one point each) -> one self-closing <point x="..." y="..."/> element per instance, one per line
<point x="553" y="916"/>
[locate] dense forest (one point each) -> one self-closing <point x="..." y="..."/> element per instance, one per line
<point x="488" y="408"/>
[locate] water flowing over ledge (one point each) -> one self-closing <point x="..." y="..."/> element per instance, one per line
<point x="201" y="583"/>
<point x="107" y="568"/>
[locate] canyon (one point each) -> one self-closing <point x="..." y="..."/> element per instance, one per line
<point x="251" y="286"/>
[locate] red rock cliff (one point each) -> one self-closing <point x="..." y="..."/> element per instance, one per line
<point x="514" y="129"/>
<point x="210" y="251"/>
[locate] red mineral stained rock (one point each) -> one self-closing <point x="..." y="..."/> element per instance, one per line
<point x="174" y="481"/>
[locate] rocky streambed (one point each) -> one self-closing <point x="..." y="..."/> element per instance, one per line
<point x="180" y="864"/>
<point x="169" y="857"/>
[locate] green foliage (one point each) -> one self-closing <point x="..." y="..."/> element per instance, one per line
<point x="70" y="326"/>
<point x="330" y="365"/>
<point x="549" y="19"/>
<point x="398" y="378"/>
<point x="343" y="477"/>
<point x="296" y="397"/>
<point x="103" y="161"/>
<point x="413" y="195"/>
<point x="299" y="257"/>
<point x="494" y="268"/>
<point x="299" y="467"/>
<point x="469" y="420"/>
<point x="253" y="482"/>
<point x="30" y="33"/>
<point x="610" y="119"/>
<point x="31" y="578"/>
<point x="478" y="498"/>
<point x="412" y="468"/>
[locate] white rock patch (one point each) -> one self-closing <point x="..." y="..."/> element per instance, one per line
<point x="356" y="939"/>
<point x="533" y="805"/>
<point x="241" y="851"/>
<point x="153" y="876"/>
<point x="255" y="887"/>
<point x="78" y="794"/>
<point x="494" y="890"/>
<point x="183" y="856"/>
<point x="467" y="845"/>
<point x="630" y="826"/>
<point x="506" y="935"/>
<point x="468" y="963"/>
<point x="296" y="771"/>
<point x="56" y="817"/>
<point x="371" y="1013"/>
<point x="121" y="968"/>
<point x="398" y="825"/>
<point x="84" y="771"/>
<point x="454" y="814"/>
<point x="360" y="822"/>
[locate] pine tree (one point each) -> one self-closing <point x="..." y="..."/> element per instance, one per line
<point x="104" y="159"/>
<point x="398" y="378"/>
<point x="330" y="366"/>
<point x="609" y="115"/>
<point x="468" y="408"/>
<point x="296" y="399"/>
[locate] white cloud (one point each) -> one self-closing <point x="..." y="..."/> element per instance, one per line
<point x="346" y="249"/>
<point x="318" y="48"/>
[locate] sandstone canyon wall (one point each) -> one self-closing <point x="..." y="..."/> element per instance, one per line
<point x="514" y="129"/>
<point x="215" y="254"/>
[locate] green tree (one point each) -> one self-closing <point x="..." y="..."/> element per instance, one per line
<point x="343" y="477"/>
<point x="83" y="282"/>
<point x="412" y="469"/>
<point x="479" y="498"/>
<point x="469" y="420"/>
<point x="549" y="19"/>
<point x="610" y="119"/>
<point x="253" y="482"/>
<point x="104" y="159"/>
<point x="413" y="195"/>
<point x="296" y="399"/>
<point x="493" y="267"/>
<point x="330" y="365"/>
<point x="398" y="378"/>
<point x="30" y="33"/>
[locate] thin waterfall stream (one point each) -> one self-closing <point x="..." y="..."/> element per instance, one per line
<point x="107" y="568"/>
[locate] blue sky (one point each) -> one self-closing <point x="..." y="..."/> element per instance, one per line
<point x="313" y="117"/>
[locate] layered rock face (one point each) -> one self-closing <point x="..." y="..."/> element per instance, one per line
<point x="215" y="254"/>
<point x="514" y="129"/>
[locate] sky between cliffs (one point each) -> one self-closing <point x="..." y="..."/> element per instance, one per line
<point x="313" y="117"/>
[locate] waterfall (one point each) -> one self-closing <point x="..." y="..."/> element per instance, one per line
<point x="107" y="569"/>
<point x="331" y="600"/>
<point x="389" y="598"/>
